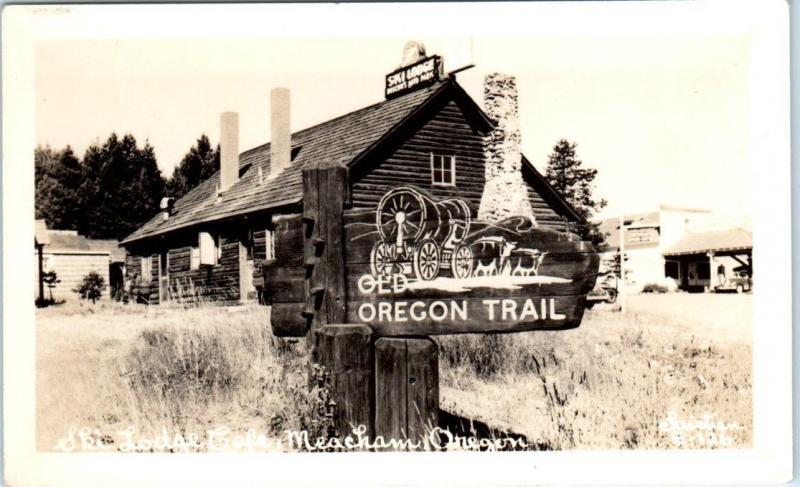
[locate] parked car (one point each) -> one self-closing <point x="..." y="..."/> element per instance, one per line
<point x="605" y="290"/>
<point x="740" y="282"/>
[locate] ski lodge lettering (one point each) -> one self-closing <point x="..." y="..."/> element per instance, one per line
<point x="412" y="77"/>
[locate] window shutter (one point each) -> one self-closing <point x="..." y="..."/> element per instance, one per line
<point x="208" y="249"/>
<point x="147" y="269"/>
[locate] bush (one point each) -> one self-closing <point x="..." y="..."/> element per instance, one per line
<point x="654" y="288"/>
<point x="91" y="287"/>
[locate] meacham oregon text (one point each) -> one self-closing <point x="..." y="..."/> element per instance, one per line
<point x="223" y="439"/>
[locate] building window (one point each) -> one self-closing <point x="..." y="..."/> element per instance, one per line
<point x="147" y="269"/>
<point x="269" y="243"/>
<point x="672" y="269"/>
<point x="210" y="248"/>
<point x="443" y="170"/>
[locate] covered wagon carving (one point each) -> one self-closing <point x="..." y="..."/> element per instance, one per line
<point x="417" y="264"/>
<point x="420" y="236"/>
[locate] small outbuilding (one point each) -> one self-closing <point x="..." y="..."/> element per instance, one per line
<point x="71" y="257"/>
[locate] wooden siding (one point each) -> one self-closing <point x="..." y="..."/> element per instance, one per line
<point x="133" y="264"/>
<point x="213" y="283"/>
<point x="546" y="216"/>
<point x="71" y="269"/>
<point x="219" y="283"/>
<point x="447" y="133"/>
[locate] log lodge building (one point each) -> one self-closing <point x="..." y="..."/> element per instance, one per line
<point x="211" y="243"/>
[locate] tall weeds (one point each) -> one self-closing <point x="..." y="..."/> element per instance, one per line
<point x="600" y="386"/>
<point x="207" y="367"/>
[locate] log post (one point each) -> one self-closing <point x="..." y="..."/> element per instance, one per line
<point x="346" y="353"/>
<point x="344" y="350"/>
<point x="325" y="192"/>
<point x="406" y="388"/>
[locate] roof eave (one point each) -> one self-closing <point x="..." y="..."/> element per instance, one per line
<point x="289" y="202"/>
<point x="555" y="194"/>
<point x="669" y="253"/>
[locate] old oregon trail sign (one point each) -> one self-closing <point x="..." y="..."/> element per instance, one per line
<point x="368" y="271"/>
<point x="417" y="265"/>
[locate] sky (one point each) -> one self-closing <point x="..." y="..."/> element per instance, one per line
<point x="664" y="120"/>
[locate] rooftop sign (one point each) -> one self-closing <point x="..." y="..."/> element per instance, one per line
<point x="414" y="76"/>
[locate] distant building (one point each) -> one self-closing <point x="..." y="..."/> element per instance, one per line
<point x="647" y="237"/>
<point x="72" y="256"/>
<point x="708" y="260"/>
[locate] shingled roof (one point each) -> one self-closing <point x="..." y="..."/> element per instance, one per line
<point x="341" y="139"/>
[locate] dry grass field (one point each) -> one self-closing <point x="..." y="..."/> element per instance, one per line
<point x="662" y="376"/>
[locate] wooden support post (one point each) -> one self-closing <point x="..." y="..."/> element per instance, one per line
<point x="712" y="271"/>
<point x="344" y="350"/>
<point x="406" y="388"/>
<point x="39" y="252"/>
<point x="325" y="192"/>
<point x="346" y="353"/>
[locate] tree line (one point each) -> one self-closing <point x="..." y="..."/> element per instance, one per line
<point x="115" y="187"/>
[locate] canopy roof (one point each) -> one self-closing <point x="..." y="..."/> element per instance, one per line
<point x="716" y="241"/>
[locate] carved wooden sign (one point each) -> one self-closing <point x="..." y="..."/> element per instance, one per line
<point x="417" y="265"/>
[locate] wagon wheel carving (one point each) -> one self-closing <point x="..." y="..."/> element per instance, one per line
<point x="401" y="216"/>
<point x="461" y="262"/>
<point x="381" y="258"/>
<point x="426" y="260"/>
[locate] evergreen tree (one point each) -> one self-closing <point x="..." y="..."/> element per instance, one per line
<point x="122" y="188"/>
<point x="91" y="287"/>
<point x="197" y="165"/>
<point x="58" y="179"/>
<point x="575" y="183"/>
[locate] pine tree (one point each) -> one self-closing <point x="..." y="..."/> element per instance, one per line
<point x="123" y="188"/>
<point x="575" y="183"/>
<point x="197" y="165"/>
<point x="58" y="179"/>
<point x="91" y="287"/>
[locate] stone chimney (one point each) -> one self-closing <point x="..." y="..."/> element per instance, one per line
<point x="505" y="194"/>
<point x="228" y="150"/>
<point x="280" y="146"/>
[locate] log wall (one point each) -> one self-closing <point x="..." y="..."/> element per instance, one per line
<point x="218" y="283"/>
<point x="447" y="133"/>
